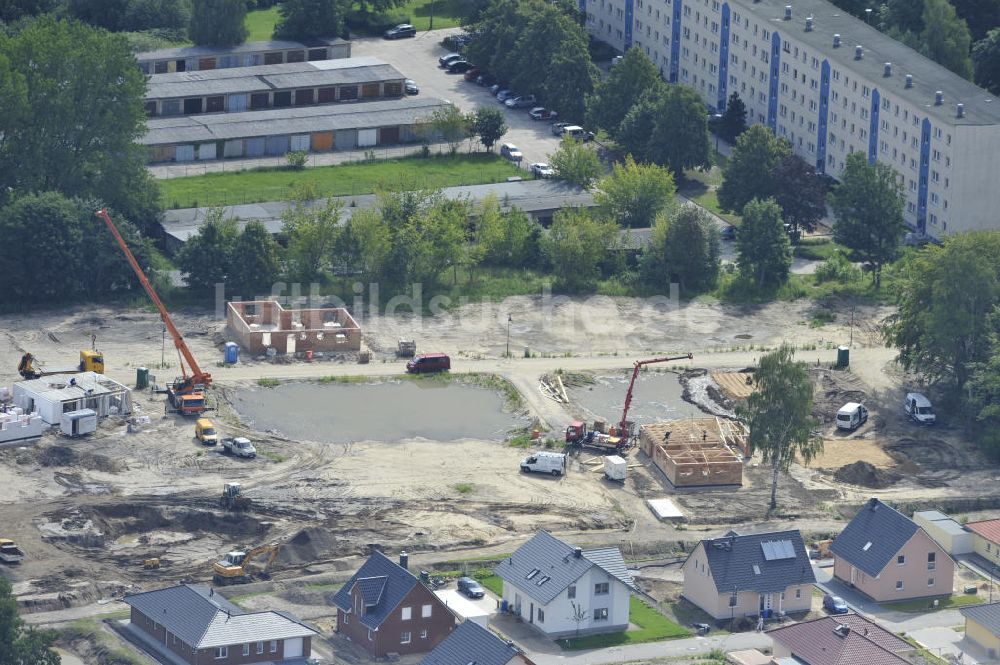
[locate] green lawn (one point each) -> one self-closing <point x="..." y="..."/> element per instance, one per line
<point x="926" y="604"/>
<point x="491" y="582"/>
<point x="652" y="627"/>
<point x="260" y="24"/>
<point x="274" y="184"/>
<point x="447" y="13"/>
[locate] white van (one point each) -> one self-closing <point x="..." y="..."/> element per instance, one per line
<point x="851" y="416"/>
<point x="545" y="462"/>
<point x="919" y="408"/>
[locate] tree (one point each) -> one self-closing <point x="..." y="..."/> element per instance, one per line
<point x="868" y="205"/>
<point x="734" y="118"/>
<point x="945" y="38"/>
<point x="304" y="19"/>
<point x="569" y="78"/>
<point x="749" y="174"/>
<point x="691" y="249"/>
<point x="624" y="85"/>
<point x="576" y="163"/>
<point x="778" y="414"/>
<point x="986" y="59"/>
<point x="312" y="231"/>
<point x="366" y="243"/>
<point x="71" y="111"/>
<point x="206" y="258"/>
<point x="800" y="191"/>
<point x="15" y="10"/>
<point x="488" y="123"/>
<point x="436" y="239"/>
<point x="764" y="252"/>
<point x="634" y="194"/>
<point x="256" y="261"/>
<point x="21" y="645"/>
<point x="218" y="22"/>
<point x="668" y="127"/>
<point x="575" y="246"/>
<point x="173" y="15"/>
<point x="505" y="238"/>
<point x="980" y="15"/>
<point x="943" y="324"/>
<point x="450" y="124"/>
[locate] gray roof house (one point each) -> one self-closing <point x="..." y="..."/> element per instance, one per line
<point x="385" y="610"/>
<point x="887" y="556"/>
<point x="198" y="625"/>
<point x="982" y="627"/>
<point x="562" y="590"/>
<point x="750" y="575"/>
<point x="471" y="643"/>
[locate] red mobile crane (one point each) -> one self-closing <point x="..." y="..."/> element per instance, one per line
<point x="639" y="364"/>
<point x="186" y="394"/>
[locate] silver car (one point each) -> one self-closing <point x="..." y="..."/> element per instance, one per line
<point x="511" y="152"/>
<point x="542" y="170"/>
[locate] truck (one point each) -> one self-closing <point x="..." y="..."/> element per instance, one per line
<point x="545" y="462"/>
<point x="239" y="446"/>
<point x="205" y="432"/>
<point x="919" y="408"/>
<point x="32" y="368"/>
<point x="10" y="553"/>
<point x="578" y="435"/>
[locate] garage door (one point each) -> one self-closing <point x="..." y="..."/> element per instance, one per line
<point x="185" y="153"/>
<point x="300" y="142"/>
<point x="206" y="151"/>
<point x="322" y="141"/>
<point x="238" y="102"/>
<point x="277" y="145"/>
<point x="367" y="137"/>
<point x="388" y="136"/>
<point x="233" y="148"/>
<point x="255" y="147"/>
<point x="293" y="647"/>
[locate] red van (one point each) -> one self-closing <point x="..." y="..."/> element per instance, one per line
<point x="429" y="362"/>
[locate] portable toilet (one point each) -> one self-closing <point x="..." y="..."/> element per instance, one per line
<point x="78" y="423"/>
<point x="232" y="353"/>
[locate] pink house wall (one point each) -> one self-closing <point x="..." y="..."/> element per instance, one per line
<point x="920" y="578"/>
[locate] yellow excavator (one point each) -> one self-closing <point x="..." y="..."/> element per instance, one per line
<point x="90" y="361"/>
<point x="235" y="568"/>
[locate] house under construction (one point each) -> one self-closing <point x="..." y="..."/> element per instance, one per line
<point x="262" y="324"/>
<point x="52" y="396"/>
<point x="696" y="452"/>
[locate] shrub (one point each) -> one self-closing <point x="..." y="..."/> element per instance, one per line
<point x="374" y="24"/>
<point x="297" y="159"/>
<point x="837" y="269"/>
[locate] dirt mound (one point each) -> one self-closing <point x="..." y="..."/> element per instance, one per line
<point x="864" y="474"/>
<point x="66" y="456"/>
<point x="308" y="545"/>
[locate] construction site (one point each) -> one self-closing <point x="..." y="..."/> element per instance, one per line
<point x="350" y="453"/>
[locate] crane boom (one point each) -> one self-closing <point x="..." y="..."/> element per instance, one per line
<point x="639" y="364"/>
<point x="197" y="376"/>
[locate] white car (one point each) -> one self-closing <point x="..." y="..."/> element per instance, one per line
<point x="542" y="170"/>
<point x="240" y="446"/>
<point x="511" y="152"/>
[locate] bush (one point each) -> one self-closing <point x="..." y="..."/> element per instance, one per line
<point x="297" y="159"/>
<point x="374" y="24"/>
<point x="837" y="269"/>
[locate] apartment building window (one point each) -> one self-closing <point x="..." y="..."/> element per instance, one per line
<point x="423" y="634"/>
<point x="260" y="647"/>
<point x="931" y="556"/>
<point x="910" y="207"/>
<point x="935" y="176"/>
<point x="899" y="585"/>
<point x="934" y="201"/>
<point x="913" y="185"/>
<point x="601" y="614"/>
<point x="601" y="588"/>
<point x="407" y="613"/>
<point x="405" y="638"/>
<point x="221" y="652"/>
<point x="541" y="615"/>
<point x="885" y="104"/>
<point x="930" y="580"/>
<point x="246" y="649"/>
<point x="425" y="611"/>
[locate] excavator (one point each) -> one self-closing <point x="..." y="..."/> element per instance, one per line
<point x="186" y="395"/>
<point x="235" y="568"/>
<point x="31" y="367"/>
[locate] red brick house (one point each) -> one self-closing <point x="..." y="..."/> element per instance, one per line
<point x="385" y="609"/>
<point x="201" y="627"/>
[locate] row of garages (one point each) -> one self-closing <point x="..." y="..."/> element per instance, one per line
<point x="252" y="54"/>
<point x="276" y="133"/>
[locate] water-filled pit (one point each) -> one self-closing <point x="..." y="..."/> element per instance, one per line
<point x="385" y="411"/>
<point x="657" y="396"/>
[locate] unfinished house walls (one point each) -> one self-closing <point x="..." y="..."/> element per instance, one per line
<point x="692" y="453"/>
<point x="260" y="324"/>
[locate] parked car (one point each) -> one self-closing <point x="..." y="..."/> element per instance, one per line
<point x="545" y="462"/>
<point x="240" y="447"/>
<point x="429" y="362"/>
<point x="522" y="102"/>
<point x="470" y="587"/>
<point x="851" y="416"/>
<point x="542" y="170"/>
<point x="557" y="127"/>
<point x="446" y="60"/>
<point x="511" y="152"/>
<point x="472" y="74"/>
<point x="486" y="79"/>
<point x="729" y="232"/>
<point x="205" y="432"/>
<point x="400" y="31"/>
<point x="835" y="604"/>
<point x="459" y="66"/>
<point x="505" y="94"/>
<point x="411" y="87"/>
<point x="495" y="88"/>
<point x="542" y="113"/>
<point x="577" y="132"/>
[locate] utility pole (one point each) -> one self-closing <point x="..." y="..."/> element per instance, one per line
<point x="163" y="348"/>
<point x="508" y="335"/>
<point x="431" y="27"/>
<point x="853" y="308"/>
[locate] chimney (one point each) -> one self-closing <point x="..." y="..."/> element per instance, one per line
<point x="938" y="98"/>
<point x="909" y="80"/>
<point x="887" y="70"/>
<point x="809" y="24"/>
<point x="842" y="630"/>
<point x="788" y="12"/>
<point x="858" y="52"/>
<point x="836" y="41"/>
<point x="960" y="110"/>
<point x="873" y="502"/>
<point x="578" y="552"/>
<point x="404" y="560"/>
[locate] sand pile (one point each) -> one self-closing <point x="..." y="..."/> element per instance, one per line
<point x="865" y="474"/>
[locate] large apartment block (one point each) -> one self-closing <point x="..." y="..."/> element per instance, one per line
<point x="831" y="85"/>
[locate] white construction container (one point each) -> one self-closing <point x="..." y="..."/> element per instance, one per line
<point x="79" y="423"/>
<point x="615" y="468"/>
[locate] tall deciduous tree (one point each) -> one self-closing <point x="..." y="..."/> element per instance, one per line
<point x="868" y="205"/>
<point x="764" y="252"/>
<point x="576" y="163"/>
<point x="366" y="244"/>
<point x="778" y="414"/>
<point x="505" y="237"/>
<point x="71" y="110"/>
<point x="983" y="401"/>
<point x="750" y="171"/>
<point x="450" y="125"/>
<point x="668" y="126"/>
<point x="800" y="191"/>
<point x="488" y="123"/>
<point x="19" y="644"/>
<point x="303" y="19"/>
<point x="575" y="246"/>
<point x="980" y="15"/>
<point x="684" y="249"/>
<point x="218" y="22"/>
<point x="945" y="38"/>
<point x="734" y="118"/>
<point x="634" y="194"/>
<point x="569" y="77"/>
<point x="624" y="85"/>
<point x="312" y="231"/>
<point x="206" y="258"/>
<point x="256" y="261"/>
<point x="986" y="61"/>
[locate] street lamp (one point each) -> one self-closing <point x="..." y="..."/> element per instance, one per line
<point x="431" y="27"/>
<point x="508" y="335"/>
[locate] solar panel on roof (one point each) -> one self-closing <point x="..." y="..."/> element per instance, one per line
<point x="775" y="550"/>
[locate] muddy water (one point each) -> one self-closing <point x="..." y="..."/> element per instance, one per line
<point x="657" y="396"/>
<point x="386" y="411"/>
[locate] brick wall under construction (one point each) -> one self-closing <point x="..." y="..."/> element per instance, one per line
<point x="691" y="453"/>
<point x="257" y="325"/>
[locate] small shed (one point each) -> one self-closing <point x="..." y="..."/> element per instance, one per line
<point x="52" y="396"/>
<point x="949" y="534"/>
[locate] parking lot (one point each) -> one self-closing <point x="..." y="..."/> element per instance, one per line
<point x="417" y="59"/>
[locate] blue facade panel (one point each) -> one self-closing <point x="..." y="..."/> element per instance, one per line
<point x="629" y="13"/>
<point x="873" y="127"/>
<point x="925" y="165"/>
<point x="772" y="93"/>
<point x="675" y="43"/>
<point x="824" y="115"/>
<point x="723" y="59"/>
<point x="256" y="147"/>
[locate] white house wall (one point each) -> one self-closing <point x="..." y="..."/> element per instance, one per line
<point x="558" y="613"/>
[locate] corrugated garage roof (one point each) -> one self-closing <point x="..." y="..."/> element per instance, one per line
<point x="249" y="124"/>
<point x="249" y="47"/>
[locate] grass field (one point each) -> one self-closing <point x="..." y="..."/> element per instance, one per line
<point x="926" y="604"/>
<point x="653" y="627"/>
<point x="260" y="24"/>
<point x="447" y="13"/>
<point x="273" y="184"/>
